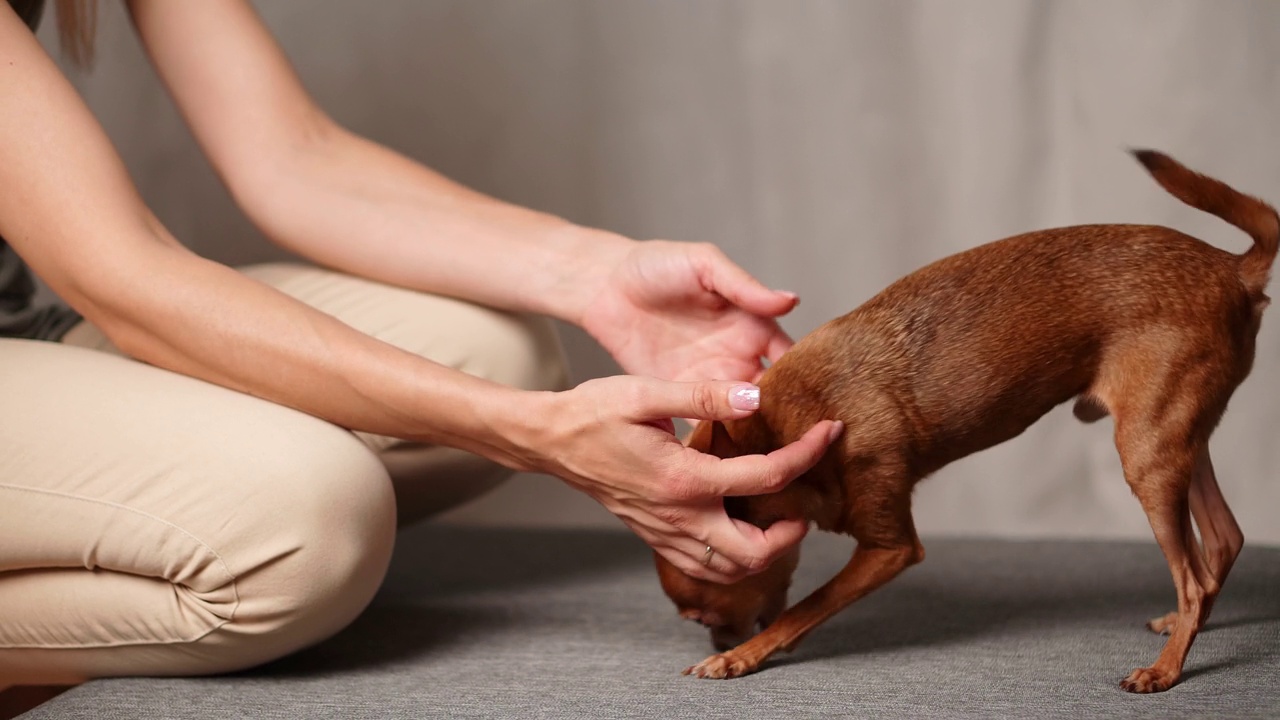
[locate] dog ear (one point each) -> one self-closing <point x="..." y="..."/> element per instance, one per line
<point x="721" y="444"/>
<point x="712" y="437"/>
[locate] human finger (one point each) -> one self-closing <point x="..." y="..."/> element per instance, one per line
<point x="763" y="474"/>
<point x="737" y="548"/>
<point x="733" y="283"/>
<point x="702" y="400"/>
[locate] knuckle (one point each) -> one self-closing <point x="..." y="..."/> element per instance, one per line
<point x="671" y="515"/>
<point x="701" y="573"/>
<point x="703" y="399"/>
<point x="714" y="253"/>
<point x="690" y="567"/>
<point x="636" y="397"/>
<point x="683" y="491"/>
<point x="680" y="487"/>
<point x="754" y="563"/>
<point x="709" y="249"/>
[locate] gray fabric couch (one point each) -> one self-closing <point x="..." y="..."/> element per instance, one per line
<point x="565" y="624"/>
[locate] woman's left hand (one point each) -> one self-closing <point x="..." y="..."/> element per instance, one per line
<point x="684" y="311"/>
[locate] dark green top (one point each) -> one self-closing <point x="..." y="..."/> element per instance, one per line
<point x="19" y="318"/>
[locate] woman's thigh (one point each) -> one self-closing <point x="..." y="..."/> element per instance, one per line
<point x="151" y="523"/>
<point x="509" y="348"/>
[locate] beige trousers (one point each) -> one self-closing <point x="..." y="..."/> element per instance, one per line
<point x="153" y="524"/>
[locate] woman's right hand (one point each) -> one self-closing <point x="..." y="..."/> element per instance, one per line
<point x="613" y="438"/>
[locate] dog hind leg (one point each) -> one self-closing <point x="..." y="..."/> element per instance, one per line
<point x="1219" y="533"/>
<point x="1159" y="468"/>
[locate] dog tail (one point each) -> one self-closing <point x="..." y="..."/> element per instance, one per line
<point x="1212" y="196"/>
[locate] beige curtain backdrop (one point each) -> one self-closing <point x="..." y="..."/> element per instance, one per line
<point x="830" y="146"/>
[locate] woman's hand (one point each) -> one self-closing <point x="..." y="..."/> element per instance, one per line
<point x="613" y="439"/>
<point x="684" y="311"/>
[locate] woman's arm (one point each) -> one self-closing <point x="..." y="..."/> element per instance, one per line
<point x="671" y="310"/>
<point x="70" y="210"/>
<point x="344" y="201"/>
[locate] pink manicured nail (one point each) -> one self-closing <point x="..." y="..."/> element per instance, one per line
<point x="745" y="397"/>
<point x="834" y="432"/>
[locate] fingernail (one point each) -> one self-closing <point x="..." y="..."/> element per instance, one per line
<point x="744" y="397"/>
<point x="790" y="294"/>
<point x="836" y="428"/>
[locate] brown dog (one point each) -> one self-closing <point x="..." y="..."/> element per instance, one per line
<point x="1140" y="322"/>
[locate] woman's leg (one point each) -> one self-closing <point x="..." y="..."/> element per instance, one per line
<point x="512" y="349"/>
<point x="153" y="524"/>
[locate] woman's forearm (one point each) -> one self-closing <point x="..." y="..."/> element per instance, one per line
<point x="178" y="311"/>
<point x="354" y="205"/>
<point x="347" y="202"/>
<point x="70" y="210"/>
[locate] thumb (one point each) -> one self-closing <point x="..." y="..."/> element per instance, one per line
<point x="705" y="400"/>
<point x="742" y="289"/>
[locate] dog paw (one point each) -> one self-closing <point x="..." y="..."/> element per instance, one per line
<point x="720" y="667"/>
<point x="1163" y="624"/>
<point x="1148" y="680"/>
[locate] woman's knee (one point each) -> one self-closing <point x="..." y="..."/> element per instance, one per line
<point x="216" y="531"/>
<point x="319" y="554"/>
<point x="310" y="562"/>
<point x="307" y="558"/>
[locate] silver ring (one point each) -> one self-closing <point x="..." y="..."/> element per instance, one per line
<point x="706" y="556"/>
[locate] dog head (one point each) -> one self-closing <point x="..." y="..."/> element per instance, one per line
<point x="733" y="612"/>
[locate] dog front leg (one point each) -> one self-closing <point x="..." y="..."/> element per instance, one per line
<point x="868" y="569"/>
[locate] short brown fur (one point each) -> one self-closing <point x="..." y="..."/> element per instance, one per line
<point x="1141" y="322"/>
